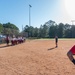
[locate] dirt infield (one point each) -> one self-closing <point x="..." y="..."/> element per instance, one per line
<point x="36" y="57"/>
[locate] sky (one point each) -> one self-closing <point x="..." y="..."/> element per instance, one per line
<point x="17" y="12"/>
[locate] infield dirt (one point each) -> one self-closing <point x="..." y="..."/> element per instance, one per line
<point x="37" y="57"/>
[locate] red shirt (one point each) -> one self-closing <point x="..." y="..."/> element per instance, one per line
<point x="73" y="49"/>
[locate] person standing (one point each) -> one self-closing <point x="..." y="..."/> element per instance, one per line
<point x="70" y="54"/>
<point x="7" y="40"/>
<point x="56" y="41"/>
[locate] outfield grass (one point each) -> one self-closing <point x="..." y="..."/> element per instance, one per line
<point x="52" y="39"/>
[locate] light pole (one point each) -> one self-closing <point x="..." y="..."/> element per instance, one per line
<point x="29" y="33"/>
<point x="29" y="15"/>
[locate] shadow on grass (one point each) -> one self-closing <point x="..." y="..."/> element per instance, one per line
<point x="52" y="48"/>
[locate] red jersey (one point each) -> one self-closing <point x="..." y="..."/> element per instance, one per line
<point x="73" y="49"/>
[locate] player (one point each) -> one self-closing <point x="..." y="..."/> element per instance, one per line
<point x="7" y="40"/>
<point x="70" y="54"/>
<point x="56" y="41"/>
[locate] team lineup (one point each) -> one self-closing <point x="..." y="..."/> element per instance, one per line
<point x="14" y="40"/>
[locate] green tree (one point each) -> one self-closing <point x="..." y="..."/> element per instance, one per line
<point x="53" y="31"/>
<point x="10" y="29"/>
<point x="60" y="30"/>
<point x="1" y="28"/>
<point x="43" y="31"/>
<point x="41" y="35"/>
<point x="27" y="30"/>
<point x="36" y="32"/>
<point x="73" y="31"/>
<point x="67" y="31"/>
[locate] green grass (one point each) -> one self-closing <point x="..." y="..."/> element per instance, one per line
<point x="53" y="39"/>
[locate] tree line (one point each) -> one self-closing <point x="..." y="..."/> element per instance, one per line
<point x="47" y="30"/>
<point x="8" y="29"/>
<point x="50" y="29"/>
